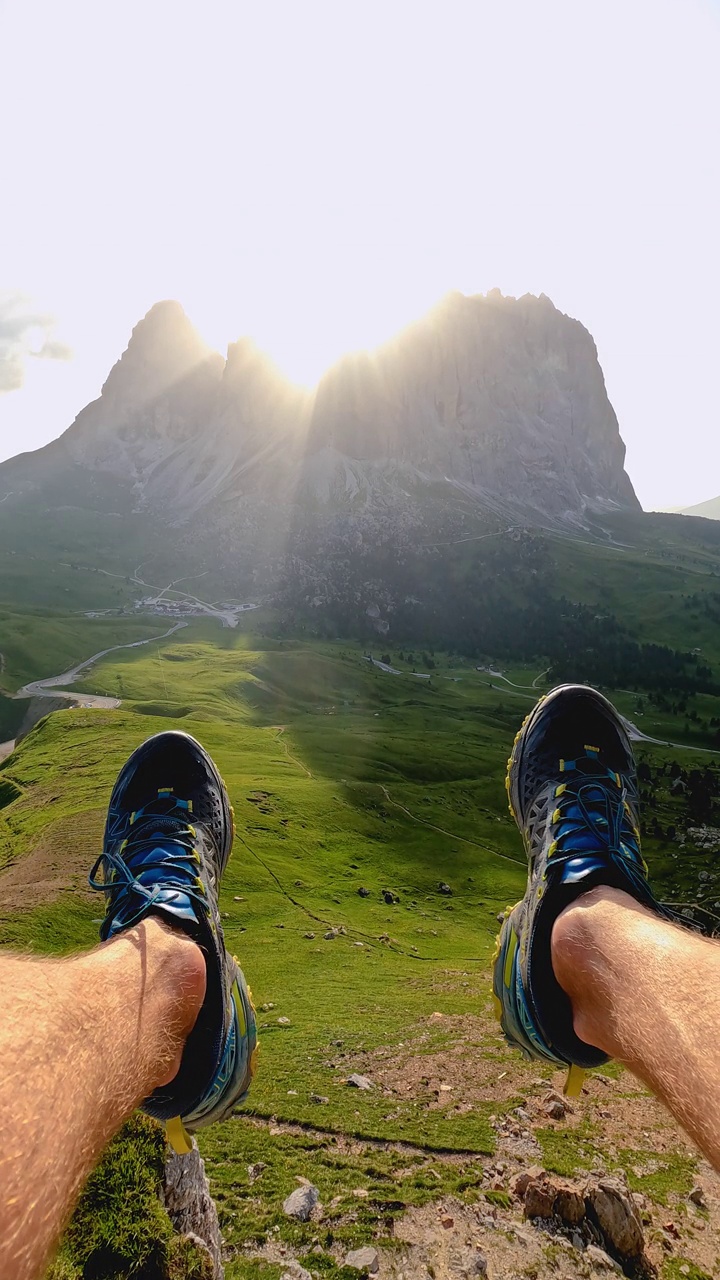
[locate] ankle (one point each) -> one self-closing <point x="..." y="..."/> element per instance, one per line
<point x="180" y="969"/>
<point x="165" y="972"/>
<point x="584" y="960"/>
<point x="181" y="978"/>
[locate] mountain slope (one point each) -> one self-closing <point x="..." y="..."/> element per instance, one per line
<point x="710" y="509"/>
<point x="487" y="404"/>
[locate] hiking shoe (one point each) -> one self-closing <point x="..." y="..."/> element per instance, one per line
<point x="572" y="788"/>
<point x="168" y="838"/>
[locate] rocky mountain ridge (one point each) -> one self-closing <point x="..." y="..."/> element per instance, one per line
<point x="492" y="400"/>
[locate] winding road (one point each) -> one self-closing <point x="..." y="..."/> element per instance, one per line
<point x="530" y="693"/>
<point x="50" y="687"/>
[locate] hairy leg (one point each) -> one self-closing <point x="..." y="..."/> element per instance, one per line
<point x="647" y="993"/>
<point x="82" y="1042"/>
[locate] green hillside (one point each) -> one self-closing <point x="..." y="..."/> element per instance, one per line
<point x="710" y="510"/>
<point x="344" y="776"/>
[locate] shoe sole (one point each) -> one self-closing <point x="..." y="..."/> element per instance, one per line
<point x="135" y="760"/>
<point x="512" y="783"/>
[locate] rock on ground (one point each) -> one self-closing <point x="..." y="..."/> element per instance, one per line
<point x="617" y="1216"/>
<point x="470" y="1265"/>
<point x="190" y="1206"/>
<point x="366" y="1259"/>
<point x="599" y="1258"/>
<point x="547" y="1195"/>
<point x="607" y="1202"/>
<point x="555" y="1110"/>
<point x="569" y="1205"/>
<point x="359" y="1082"/>
<point x="301" y="1202"/>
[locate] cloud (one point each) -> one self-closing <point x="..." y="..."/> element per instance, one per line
<point x="54" y="350"/>
<point x="25" y="333"/>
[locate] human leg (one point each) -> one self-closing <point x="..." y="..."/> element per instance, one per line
<point x="589" y="965"/>
<point x="159" y="1015"/>
<point x="646" y="992"/>
<point x="168" y="838"/>
<point x="572" y="788"/>
<point x="82" y="1042"/>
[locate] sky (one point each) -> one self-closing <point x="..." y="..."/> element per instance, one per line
<point x="317" y="173"/>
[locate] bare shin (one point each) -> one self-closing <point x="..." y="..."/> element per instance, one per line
<point x="82" y="1042"/>
<point x="647" y="993"/>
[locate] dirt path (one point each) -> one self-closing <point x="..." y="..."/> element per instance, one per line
<point x="499" y="676"/>
<point x="475" y="537"/>
<point x="514" y="691"/>
<point x="453" y="836"/>
<point x="280" y="729"/>
<point x="96" y="700"/>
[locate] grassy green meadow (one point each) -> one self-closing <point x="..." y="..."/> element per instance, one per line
<point x="342" y="777"/>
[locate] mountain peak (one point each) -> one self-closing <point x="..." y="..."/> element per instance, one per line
<point x="164" y="348"/>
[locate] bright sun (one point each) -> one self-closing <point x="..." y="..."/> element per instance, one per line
<point x="307" y="327"/>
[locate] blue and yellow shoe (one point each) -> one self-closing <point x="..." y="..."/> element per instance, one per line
<point x="573" y="792"/>
<point x="168" y="838"/>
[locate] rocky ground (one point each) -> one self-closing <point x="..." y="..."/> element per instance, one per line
<point x="532" y="1225"/>
<point x="605" y="1183"/>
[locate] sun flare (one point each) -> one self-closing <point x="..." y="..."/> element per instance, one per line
<point x="306" y="330"/>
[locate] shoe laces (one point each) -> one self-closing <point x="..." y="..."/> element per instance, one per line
<point x="593" y="814"/>
<point x="157" y="855"/>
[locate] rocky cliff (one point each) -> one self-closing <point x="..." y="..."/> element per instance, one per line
<point x="487" y="404"/>
<point x="499" y="397"/>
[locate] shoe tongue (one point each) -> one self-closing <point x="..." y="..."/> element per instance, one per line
<point x="167" y="807"/>
<point x="588" y="765"/>
<point x="161" y="823"/>
<point x="160" y="817"/>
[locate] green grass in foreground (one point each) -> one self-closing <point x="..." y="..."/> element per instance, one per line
<point x="342" y="777"/>
<point x="120" y="1227"/>
<point x="358" y="1190"/>
<point x="326" y="760"/>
